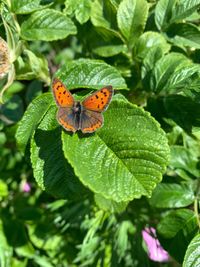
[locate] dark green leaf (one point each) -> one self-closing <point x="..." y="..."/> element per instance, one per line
<point x="177" y="229"/>
<point x="51" y="170"/>
<point x="172" y="196"/>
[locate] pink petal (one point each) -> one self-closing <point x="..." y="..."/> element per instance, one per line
<point x="26" y="187"/>
<point x="155" y="250"/>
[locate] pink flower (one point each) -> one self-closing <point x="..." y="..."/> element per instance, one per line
<point x="155" y="250"/>
<point x="25" y="186"/>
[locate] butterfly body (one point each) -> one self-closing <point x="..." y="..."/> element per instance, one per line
<point x="75" y="115"/>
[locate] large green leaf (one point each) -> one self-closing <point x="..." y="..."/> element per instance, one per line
<point x="123" y="160"/>
<point x="177" y="229"/>
<point x="192" y="256"/>
<point x="51" y="170"/>
<point x="87" y="73"/>
<point x="172" y="196"/>
<point x="31" y="119"/>
<point x="47" y="25"/>
<point x="131" y="18"/>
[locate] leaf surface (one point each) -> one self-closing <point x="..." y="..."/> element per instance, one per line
<point x="47" y="25"/>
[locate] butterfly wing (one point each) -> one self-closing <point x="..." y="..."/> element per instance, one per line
<point x="90" y="121"/>
<point x="68" y="119"/>
<point x="99" y="100"/>
<point x="62" y="96"/>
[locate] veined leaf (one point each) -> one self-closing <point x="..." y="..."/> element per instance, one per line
<point x="163" y="13"/>
<point x="165" y="68"/>
<point x="125" y="159"/>
<point x="172" y="196"/>
<point x="31" y="119"/>
<point x="192" y="256"/>
<point x="47" y="25"/>
<point x="87" y="73"/>
<point x="51" y="170"/>
<point x="131" y="18"/>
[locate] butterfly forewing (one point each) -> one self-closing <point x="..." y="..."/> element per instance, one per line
<point x="99" y="100"/>
<point x="61" y="94"/>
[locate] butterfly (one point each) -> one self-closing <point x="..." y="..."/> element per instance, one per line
<point x="75" y="115"/>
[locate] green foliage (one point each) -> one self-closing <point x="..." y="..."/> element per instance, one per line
<point x="84" y="199"/>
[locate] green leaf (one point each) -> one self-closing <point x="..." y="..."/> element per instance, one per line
<point x="183" y="9"/>
<point x="6" y="251"/>
<point x="184" y="34"/>
<point x="25" y="6"/>
<point x="37" y="68"/>
<point x="184" y="159"/>
<point x="177" y="229"/>
<point x="47" y="25"/>
<point x="83" y="11"/>
<point x="51" y="170"/>
<point x="3" y="189"/>
<point x="169" y="11"/>
<point x="192" y="258"/>
<point x="172" y="196"/>
<point x="97" y="16"/>
<point x="163" y="13"/>
<point x="150" y="40"/>
<point x="87" y="73"/>
<point x="109" y="205"/>
<point x="165" y="68"/>
<point x="31" y="119"/>
<point x="131" y="18"/>
<point x="12" y="111"/>
<point x="110" y="50"/>
<point x="80" y="8"/>
<point x="128" y="156"/>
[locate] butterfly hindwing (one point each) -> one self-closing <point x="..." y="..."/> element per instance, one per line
<point x="62" y="95"/>
<point x="99" y="100"/>
<point x="68" y="119"/>
<point x="90" y="121"/>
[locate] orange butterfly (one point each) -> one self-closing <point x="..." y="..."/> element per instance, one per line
<point x="85" y="116"/>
